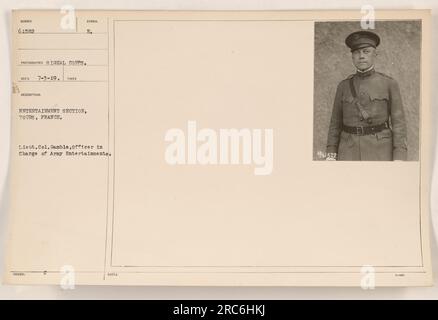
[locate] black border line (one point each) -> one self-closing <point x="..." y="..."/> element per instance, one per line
<point x="263" y="20"/>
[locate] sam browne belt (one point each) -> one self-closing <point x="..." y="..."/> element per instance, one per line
<point x="363" y="131"/>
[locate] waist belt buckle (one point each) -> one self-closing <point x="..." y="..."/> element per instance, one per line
<point x="360" y="131"/>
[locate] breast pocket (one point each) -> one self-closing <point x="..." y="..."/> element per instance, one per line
<point x="378" y="104"/>
<point x="379" y="93"/>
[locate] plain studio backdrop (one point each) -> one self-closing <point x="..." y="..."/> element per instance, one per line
<point x="399" y="55"/>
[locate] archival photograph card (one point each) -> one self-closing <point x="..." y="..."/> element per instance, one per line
<point x="228" y="148"/>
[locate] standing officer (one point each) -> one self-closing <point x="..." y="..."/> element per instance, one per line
<point x="368" y="121"/>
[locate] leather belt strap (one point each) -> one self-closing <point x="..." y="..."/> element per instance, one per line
<point x="363" y="131"/>
<point x="363" y="113"/>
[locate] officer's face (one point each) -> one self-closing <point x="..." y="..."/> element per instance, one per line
<point x="364" y="58"/>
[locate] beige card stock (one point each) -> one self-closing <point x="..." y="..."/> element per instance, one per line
<point x="181" y="148"/>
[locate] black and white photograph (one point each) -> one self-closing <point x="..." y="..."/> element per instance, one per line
<point x="367" y="91"/>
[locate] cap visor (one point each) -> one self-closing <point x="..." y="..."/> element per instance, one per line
<point x="361" y="46"/>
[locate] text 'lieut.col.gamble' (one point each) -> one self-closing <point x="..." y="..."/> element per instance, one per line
<point x="221" y="147"/>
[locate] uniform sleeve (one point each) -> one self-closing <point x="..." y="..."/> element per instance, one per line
<point x="336" y="121"/>
<point x="398" y="122"/>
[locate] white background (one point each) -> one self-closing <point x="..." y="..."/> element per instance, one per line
<point x="108" y="292"/>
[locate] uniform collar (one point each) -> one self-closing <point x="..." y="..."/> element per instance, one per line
<point x="365" y="73"/>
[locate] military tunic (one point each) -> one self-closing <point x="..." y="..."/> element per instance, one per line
<point x="379" y="95"/>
